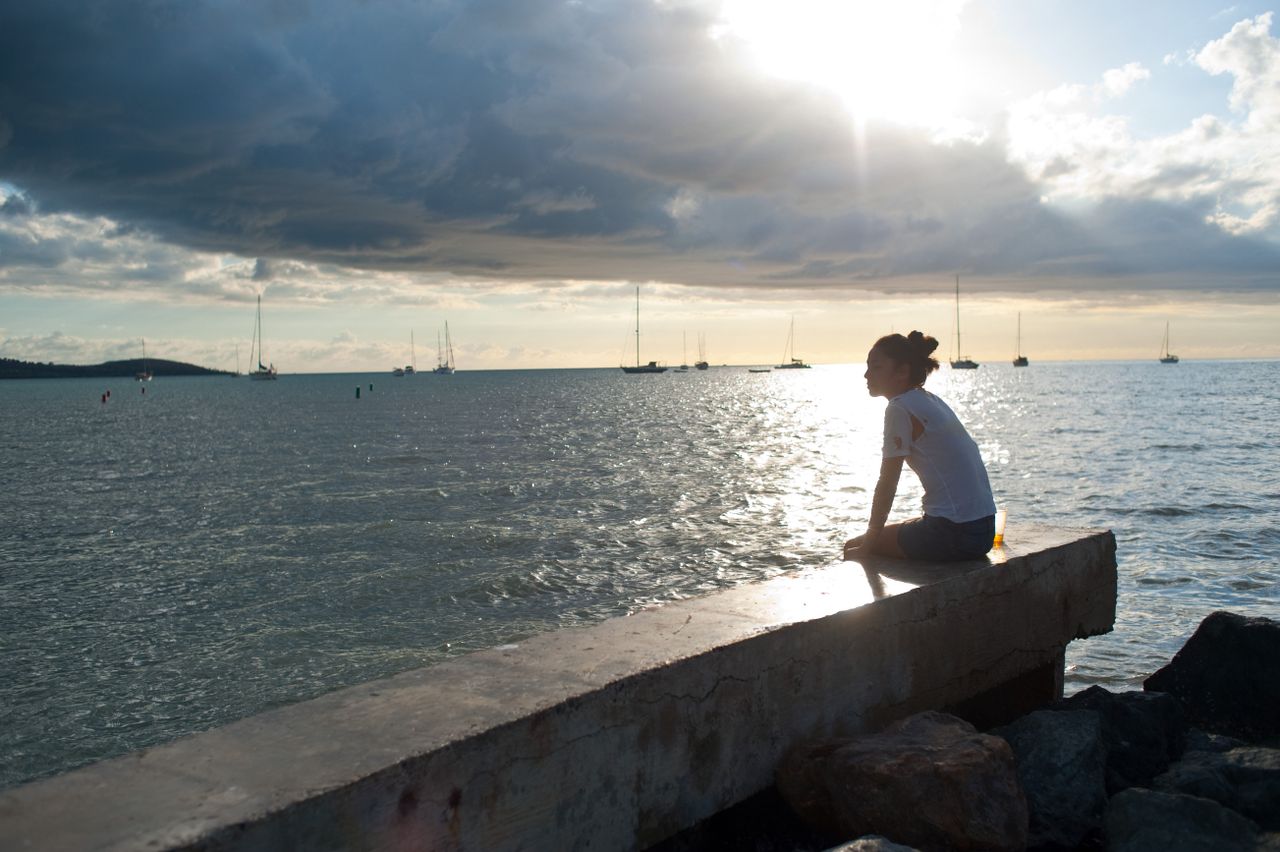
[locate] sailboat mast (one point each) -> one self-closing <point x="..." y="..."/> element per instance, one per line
<point x="959" y="348"/>
<point x="448" y="342"/>
<point x="257" y="331"/>
<point x="637" y="325"/>
<point x="1018" y="347"/>
<point x="413" y="352"/>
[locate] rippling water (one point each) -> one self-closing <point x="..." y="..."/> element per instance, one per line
<point x="179" y="559"/>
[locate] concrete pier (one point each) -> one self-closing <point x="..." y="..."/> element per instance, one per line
<point x="609" y="737"/>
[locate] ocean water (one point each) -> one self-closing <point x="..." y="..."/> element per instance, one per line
<point x="175" y="560"/>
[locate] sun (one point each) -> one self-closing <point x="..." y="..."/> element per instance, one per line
<point x="891" y="60"/>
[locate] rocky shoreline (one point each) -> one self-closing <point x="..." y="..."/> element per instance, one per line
<point x="1191" y="762"/>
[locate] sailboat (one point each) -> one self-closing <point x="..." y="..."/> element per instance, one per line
<point x="263" y="372"/>
<point x="1167" y="357"/>
<point x="684" y="354"/>
<point x="961" y="362"/>
<point x="145" y="375"/>
<point x="444" y="357"/>
<point x="652" y="366"/>
<point x="701" y="363"/>
<point x="1019" y="360"/>
<point x="789" y="359"/>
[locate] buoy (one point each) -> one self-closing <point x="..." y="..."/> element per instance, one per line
<point x="370" y="385"/>
<point x="357" y="391"/>
<point x="104" y="399"/>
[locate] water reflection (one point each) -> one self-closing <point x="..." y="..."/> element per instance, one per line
<point x="222" y="546"/>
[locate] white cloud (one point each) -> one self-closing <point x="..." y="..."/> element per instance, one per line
<point x="1117" y="81"/>
<point x="1252" y="56"/>
<point x="1231" y="168"/>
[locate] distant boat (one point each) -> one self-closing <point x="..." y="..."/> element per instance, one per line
<point x="789" y="361"/>
<point x="145" y="375"/>
<point x="397" y="371"/>
<point x="652" y="366"/>
<point x="263" y="372"/>
<point x="684" y="354"/>
<point x="412" y="367"/>
<point x="961" y="362"/>
<point x="1167" y="357"/>
<point x="759" y="369"/>
<point x="701" y="363"/>
<point x="1019" y="360"/>
<point x="444" y="356"/>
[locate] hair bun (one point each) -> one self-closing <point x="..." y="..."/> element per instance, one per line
<point x="922" y="344"/>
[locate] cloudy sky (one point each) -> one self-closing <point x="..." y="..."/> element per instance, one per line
<point x="518" y="167"/>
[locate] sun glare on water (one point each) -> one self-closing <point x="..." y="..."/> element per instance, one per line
<point x="885" y="60"/>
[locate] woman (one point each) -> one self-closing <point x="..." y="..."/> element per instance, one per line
<point x="919" y="428"/>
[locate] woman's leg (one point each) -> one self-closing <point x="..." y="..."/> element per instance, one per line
<point x="886" y="542"/>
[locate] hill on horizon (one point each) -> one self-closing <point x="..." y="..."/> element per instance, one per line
<point x="12" y="368"/>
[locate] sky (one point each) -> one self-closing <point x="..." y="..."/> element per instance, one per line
<point x="518" y="168"/>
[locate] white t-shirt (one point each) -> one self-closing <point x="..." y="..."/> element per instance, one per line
<point x="944" y="457"/>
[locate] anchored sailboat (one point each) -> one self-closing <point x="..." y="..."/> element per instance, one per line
<point x="444" y="356"/>
<point x="789" y="359"/>
<point x="652" y="366"/>
<point x="263" y="372"/>
<point x="961" y="362"/>
<point x="701" y="363"/>
<point x="1019" y="360"/>
<point x="684" y="354"/>
<point x="145" y="375"/>
<point x="1167" y="357"/>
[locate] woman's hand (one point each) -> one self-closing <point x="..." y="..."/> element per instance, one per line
<point x="854" y="549"/>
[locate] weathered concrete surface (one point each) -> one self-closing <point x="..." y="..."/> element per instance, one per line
<point x="608" y="737"/>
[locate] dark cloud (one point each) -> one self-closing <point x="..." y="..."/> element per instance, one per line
<point x="525" y="138"/>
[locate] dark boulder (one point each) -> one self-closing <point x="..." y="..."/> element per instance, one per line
<point x="1140" y="820"/>
<point x="1143" y="732"/>
<point x="1228" y="677"/>
<point x="1062" y="767"/>
<point x="1198" y="740"/>
<point x="930" y="780"/>
<point x="872" y="843"/>
<point x="1247" y="780"/>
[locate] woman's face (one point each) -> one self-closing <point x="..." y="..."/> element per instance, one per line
<point x="885" y="376"/>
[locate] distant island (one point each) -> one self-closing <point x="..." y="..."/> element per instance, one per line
<point x="11" y="368"/>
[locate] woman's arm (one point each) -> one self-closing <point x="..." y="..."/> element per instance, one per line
<point x="874" y="541"/>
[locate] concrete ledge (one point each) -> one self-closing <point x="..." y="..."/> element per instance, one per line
<point x="609" y="737"/>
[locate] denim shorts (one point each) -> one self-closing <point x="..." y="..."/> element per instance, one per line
<point x="938" y="540"/>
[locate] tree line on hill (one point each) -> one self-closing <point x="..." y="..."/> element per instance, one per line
<point x="11" y="368"/>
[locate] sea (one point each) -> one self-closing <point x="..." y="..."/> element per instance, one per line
<point x="191" y="551"/>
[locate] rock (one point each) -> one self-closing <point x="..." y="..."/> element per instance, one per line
<point x="1227" y="676"/>
<point x="1198" y="740"/>
<point x="1062" y="768"/>
<point x="872" y="843"/>
<point x="1139" y="820"/>
<point x="1142" y="732"/>
<point x="930" y="780"/>
<point x="1247" y="780"/>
